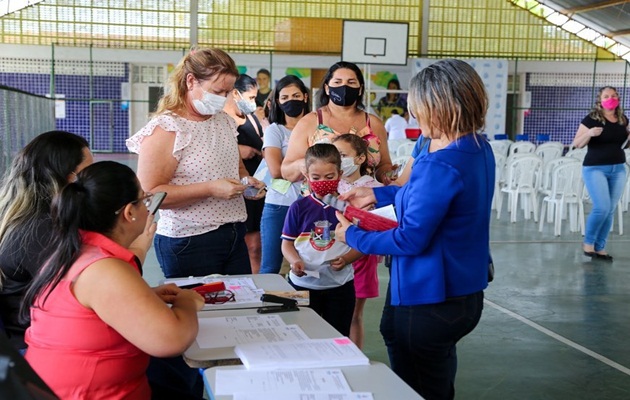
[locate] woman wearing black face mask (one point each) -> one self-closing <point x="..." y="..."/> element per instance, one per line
<point x="289" y="103"/>
<point x="340" y="110"/>
<point x="240" y="105"/>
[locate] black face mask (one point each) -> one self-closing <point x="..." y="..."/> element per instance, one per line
<point x="293" y="108"/>
<point x="343" y="95"/>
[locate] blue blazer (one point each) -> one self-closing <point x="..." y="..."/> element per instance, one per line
<point x="441" y="247"/>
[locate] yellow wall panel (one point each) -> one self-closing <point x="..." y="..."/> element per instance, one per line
<point x="309" y="35"/>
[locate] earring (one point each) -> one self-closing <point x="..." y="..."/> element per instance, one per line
<point x="133" y="218"/>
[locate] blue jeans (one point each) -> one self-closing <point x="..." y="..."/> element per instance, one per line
<point x="425" y="338"/>
<point x="605" y="184"/>
<point x="222" y="251"/>
<point x="270" y="230"/>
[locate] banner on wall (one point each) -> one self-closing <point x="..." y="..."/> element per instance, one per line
<point x="278" y="73"/>
<point x="494" y="74"/>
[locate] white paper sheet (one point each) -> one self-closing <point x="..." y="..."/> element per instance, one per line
<point x="387" y="212"/>
<point x="313" y="353"/>
<point x="288" y="381"/>
<point x="304" y="396"/>
<point x="223" y="332"/>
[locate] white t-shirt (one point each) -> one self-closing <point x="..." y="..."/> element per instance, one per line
<point x="205" y="151"/>
<point x="395" y="127"/>
<point x="278" y="136"/>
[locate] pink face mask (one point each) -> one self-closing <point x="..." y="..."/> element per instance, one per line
<point x="610" y="103"/>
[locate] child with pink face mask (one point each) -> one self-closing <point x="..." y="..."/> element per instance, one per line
<point x="319" y="263"/>
<point x="354" y="156"/>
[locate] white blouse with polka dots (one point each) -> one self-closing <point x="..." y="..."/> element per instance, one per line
<point x="205" y="151"/>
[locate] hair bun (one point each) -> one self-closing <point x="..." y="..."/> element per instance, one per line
<point x="77" y="186"/>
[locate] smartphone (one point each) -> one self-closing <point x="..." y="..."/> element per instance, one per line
<point x="157" y="200"/>
<point x="251" y="191"/>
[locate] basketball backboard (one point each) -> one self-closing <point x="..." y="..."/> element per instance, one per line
<point x="368" y="42"/>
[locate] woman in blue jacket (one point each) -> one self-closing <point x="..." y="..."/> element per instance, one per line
<point x="440" y="250"/>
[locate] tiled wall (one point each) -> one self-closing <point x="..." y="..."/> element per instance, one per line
<point x="560" y="101"/>
<point x="106" y="94"/>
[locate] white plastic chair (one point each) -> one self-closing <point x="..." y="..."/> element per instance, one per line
<point x="393" y="145"/>
<point x="577" y="153"/>
<point x="546" y="179"/>
<point x="521" y="147"/>
<point x="549" y="151"/>
<point x="405" y="149"/>
<point x="523" y="174"/>
<point x="499" y="179"/>
<point x="500" y="147"/>
<point x="565" y="194"/>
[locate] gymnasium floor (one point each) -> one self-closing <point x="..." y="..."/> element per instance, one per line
<point x="556" y="324"/>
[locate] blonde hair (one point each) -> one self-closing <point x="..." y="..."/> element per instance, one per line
<point x="203" y="64"/>
<point x="597" y="113"/>
<point x="449" y="97"/>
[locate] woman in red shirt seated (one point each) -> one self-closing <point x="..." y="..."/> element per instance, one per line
<point x="92" y="314"/>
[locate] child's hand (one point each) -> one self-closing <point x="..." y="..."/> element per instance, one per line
<point x="298" y="268"/>
<point x="338" y="263"/>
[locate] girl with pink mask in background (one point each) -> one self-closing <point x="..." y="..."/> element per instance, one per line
<point x="605" y="131"/>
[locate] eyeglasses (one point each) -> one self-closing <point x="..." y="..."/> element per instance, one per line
<point x="219" y="297"/>
<point x="146" y="199"/>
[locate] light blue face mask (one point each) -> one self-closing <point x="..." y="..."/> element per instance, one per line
<point x="348" y="166"/>
<point x="209" y="104"/>
<point x="246" y="107"/>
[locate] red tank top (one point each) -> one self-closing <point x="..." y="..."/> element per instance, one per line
<point x="77" y="354"/>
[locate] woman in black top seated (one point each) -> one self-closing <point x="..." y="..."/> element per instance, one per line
<point x="605" y="131"/>
<point x="38" y="172"/>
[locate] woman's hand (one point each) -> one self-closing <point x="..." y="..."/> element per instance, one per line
<point x="298" y="268"/>
<point x="362" y="197"/>
<point x="262" y="191"/>
<point x="188" y="295"/>
<point x="141" y="245"/>
<point x="227" y="189"/>
<point x="595" y="131"/>
<point x="338" y="263"/>
<point x="341" y="228"/>
<point x="248" y="152"/>
<point x="167" y="293"/>
<point x="387" y="177"/>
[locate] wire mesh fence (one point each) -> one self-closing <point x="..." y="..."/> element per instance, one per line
<point x="22" y="117"/>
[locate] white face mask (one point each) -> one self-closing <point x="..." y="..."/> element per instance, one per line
<point x="246" y="107"/>
<point x="209" y="104"/>
<point x="348" y="166"/>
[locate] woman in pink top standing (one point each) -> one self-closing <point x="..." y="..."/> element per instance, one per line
<point x="189" y="150"/>
<point x="91" y="312"/>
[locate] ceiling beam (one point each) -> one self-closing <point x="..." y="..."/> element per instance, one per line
<point x="593" y="6"/>
<point x="619" y="33"/>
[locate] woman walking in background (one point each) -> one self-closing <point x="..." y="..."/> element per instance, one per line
<point x="605" y="131"/>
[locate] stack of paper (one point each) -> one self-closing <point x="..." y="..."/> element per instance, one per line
<point x="313" y="353"/>
<point x="315" y="384"/>
<point x="221" y="332"/>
